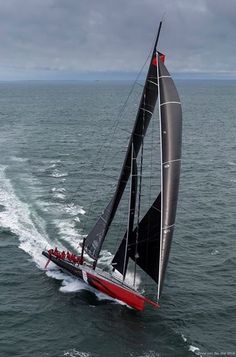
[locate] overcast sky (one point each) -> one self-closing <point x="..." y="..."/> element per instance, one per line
<point x="77" y="38"/>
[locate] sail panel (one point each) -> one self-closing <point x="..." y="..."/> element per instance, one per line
<point x="171" y="132"/>
<point x="143" y="244"/>
<point x="171" y="177"/>
<point x="95" y="236"/>
<point x="171" y="136"/>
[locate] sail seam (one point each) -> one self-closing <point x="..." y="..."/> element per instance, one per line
<point x="168" y="162"/>
<point x="153" y="83"/>
<point x="145" y="110"/>
<point x="165" y="77"/>
<point x="166" y="227"/>
<point x="103" y="219"/>
<point x="169" y="103"/>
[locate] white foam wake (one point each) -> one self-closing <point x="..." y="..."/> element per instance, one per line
<point x="59" y="193"/>
<point x="192" y="348"/>
<point x="19" y="218"/>
<point x="30" y="229"/>
<point x="68" y="232"/>
<point x="74" y="353"/>
<point x="57" y="173"/>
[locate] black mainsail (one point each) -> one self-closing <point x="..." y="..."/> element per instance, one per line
<point x="171" y="139"/>
<point x="148" y="243"/>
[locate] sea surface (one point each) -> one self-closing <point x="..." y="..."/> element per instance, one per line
<point x="61" y="149"/>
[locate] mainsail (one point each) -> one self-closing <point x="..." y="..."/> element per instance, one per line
<point x="171" y="139"/>
<point x="147" y="104"/>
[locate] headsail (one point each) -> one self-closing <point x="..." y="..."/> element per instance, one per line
<point x="147" y="104"/>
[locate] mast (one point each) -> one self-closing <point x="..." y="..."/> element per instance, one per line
<point x="96" y="236"/>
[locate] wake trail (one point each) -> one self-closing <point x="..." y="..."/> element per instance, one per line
<point x="20" y="218"/>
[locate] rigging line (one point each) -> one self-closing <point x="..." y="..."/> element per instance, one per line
<point x="140" y="84"/>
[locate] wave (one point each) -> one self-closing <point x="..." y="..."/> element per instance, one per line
<point x="59" y="193"/>
<point x="215" y="252"/>
<point x="58" y="189"/>
<point x="19" y="159"/>
<point x="72" y="285"/>
<point x="59" y="196"/>
<point x="68" y="232"/>
<point x="191" y="348"/>
<point x="73" y="209"/>
<point x="57" y="173"/>
<point x="74" y="353"/>
<point x="150" y="354"/>
<point x="21" y="219"/>
<point x="195" y="350"/>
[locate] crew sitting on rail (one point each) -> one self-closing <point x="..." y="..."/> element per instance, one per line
<point x="71" y="257"/>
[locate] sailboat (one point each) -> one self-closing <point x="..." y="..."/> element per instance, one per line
<point x="146" y="243"/>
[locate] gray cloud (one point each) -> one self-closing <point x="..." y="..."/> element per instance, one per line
<point x="75" y="36"/>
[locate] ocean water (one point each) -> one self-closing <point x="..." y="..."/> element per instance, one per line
<point x="61" y="148"/>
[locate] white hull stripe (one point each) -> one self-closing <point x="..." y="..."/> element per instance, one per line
<point x="85" y="278"/>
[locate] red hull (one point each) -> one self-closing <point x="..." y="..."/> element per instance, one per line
<point x="112" y="288"/>
<point x="117" y="292"/>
